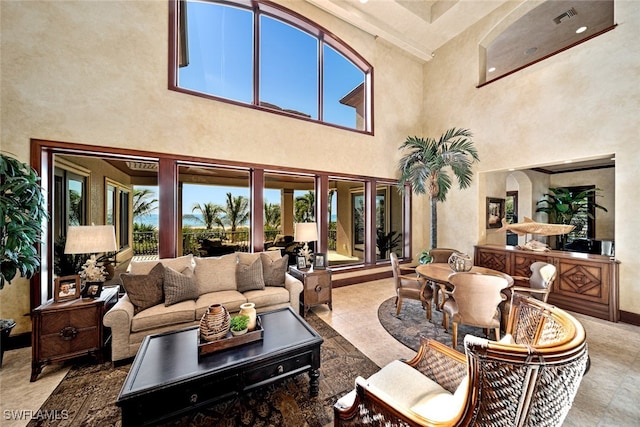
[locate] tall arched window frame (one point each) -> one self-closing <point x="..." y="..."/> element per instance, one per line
<point x="262" y="55"/>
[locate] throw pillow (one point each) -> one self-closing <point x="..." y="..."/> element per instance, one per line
<point x="249" y="276"/>
<point x="216" y="273"/>
<point x="179" y="286"/>
<point x="144" y="290"/>
<point x="273" y="270"/>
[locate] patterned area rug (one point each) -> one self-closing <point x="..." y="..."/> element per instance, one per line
<point x="87" y="395"/>
<point x="411" y="323"/>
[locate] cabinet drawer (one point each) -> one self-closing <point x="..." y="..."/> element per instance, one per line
<point x="69" y="340"/>
<point x="277" y="369"/>
<point x="53" y="322"/>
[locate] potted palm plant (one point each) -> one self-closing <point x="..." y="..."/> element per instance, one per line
<point x="22" y="211"/>
<point x="426" y="167"/>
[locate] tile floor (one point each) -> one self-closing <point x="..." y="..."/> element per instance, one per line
<point x="608" y="396"/>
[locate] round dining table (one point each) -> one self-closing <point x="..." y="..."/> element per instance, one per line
<point x="439" y="272"/>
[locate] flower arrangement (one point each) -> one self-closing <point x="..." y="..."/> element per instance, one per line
<point x="239" y="323"/>
<point x="92" y="272"/>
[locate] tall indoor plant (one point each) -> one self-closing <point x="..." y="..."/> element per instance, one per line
<point x="22" y="211"/>
<point x="427" y="163"/>
<point x="563" y="205"/>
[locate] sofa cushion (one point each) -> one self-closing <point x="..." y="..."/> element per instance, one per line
<point x="249" y="276"/>
<point x="179" y="286"/>
<point x="144" y="290"/>
<point x="161" y="316"/>
<point x="216" y="274"/>
<point x="273" y="270"/>
<point x="269" y="296"/>
<point x="272" y="254"/>
<point x="178" y="264"/>
<point x="247" y="257"/>
<point x="231" y="300"/>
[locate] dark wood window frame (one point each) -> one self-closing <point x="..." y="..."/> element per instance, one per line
<point x="42" y="156"/>
<point x="178" y="53"/>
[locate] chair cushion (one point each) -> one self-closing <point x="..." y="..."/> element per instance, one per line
<point x="231" y="300"/>
<point x="273" y="270"/>
<point x="160" y="316"/>
<point x="249" y="276"/>
<point x="179" y="286"/>
<point x="269" y="296"/>
<point x="144" y="290"/>
<point x="216" y="273"/>
<point x="402" y="386"/>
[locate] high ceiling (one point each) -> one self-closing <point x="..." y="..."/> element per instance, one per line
<point x="420" y="27"/>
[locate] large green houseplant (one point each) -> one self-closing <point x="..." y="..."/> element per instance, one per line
<point x="22" y="211"/>
<point x="426" y="165"/>
<point x="565" y="205"/>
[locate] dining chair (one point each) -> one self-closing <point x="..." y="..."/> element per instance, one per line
<point x="410" y="286"/>
<point x="540" y="283"/>
<point x="441" y="254"/>
<point x="473" y="301"/>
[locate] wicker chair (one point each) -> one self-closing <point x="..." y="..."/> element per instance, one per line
<point x="529" y="378"/>
<point x="412" y="287"/>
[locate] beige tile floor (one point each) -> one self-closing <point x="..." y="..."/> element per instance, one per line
<point x="608" y="396"/>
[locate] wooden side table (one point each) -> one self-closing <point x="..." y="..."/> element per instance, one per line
<point x="68" y="329"/>
<point x="316" y="287"/>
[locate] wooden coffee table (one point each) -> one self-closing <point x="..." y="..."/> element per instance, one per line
<point x="168" y="378"/>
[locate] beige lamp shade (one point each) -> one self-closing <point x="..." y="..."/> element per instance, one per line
<point x="306" y="232"/>
<point x="90" y="239"/>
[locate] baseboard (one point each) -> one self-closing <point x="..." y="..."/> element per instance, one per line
<point x="631" y="318"/>
<point x="365" y="277"/>
<point x="19" y="341"/>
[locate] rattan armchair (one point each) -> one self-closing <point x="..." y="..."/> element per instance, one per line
<point x="529" y="378"/>
<point x="410" y="286"/>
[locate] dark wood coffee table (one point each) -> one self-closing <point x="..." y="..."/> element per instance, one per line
<point x="168" y="378"/>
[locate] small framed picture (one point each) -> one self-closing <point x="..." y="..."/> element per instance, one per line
<point x="301" y="262"/>
<point x="66" y="288"/>
<point x="92" y="290"/>
<point x="320" y="261"/>
<point x="495" y="212"/>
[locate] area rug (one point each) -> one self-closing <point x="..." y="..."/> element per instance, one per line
<point x="87" y="394"/>
<point x="408" y="326"/>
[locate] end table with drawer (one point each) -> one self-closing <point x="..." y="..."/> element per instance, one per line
<point x="316" y="287"/>
<point x="69" y="329"/>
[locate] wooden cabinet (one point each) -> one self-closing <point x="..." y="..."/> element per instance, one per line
<point x="65" y="330"/>
<point x="317" y="288"/>
<point x="585" y="283"/>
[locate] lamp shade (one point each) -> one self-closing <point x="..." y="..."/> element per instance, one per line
<point x="88" y="239"/>
<point x="306" y="232"/>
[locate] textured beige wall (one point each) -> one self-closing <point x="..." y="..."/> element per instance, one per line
<point x="581" y="103"/>
<point x="96" y="73"/>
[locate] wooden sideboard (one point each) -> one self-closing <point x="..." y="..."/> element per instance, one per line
<point x="585" y="283"/>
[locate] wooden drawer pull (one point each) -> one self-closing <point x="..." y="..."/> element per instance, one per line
<point x="68" y="333"/>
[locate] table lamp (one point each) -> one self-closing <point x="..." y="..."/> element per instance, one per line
<point x="306" y="232"/>
<point x="91" y="239"/>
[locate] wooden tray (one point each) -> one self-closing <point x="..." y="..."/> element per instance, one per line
<point x="229" y="341"/>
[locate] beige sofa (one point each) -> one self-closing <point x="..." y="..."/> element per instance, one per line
<point x="189" y="285"/>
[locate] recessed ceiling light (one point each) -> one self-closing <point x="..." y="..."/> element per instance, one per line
<point x="581" y="30"/>
<point x="492" y="69"/>
<point x="568" y="161"/>
<point x="363" y="1"/>
<point x="531" y="51"/>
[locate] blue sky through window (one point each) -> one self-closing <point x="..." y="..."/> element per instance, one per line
<point x="220" y="48"/>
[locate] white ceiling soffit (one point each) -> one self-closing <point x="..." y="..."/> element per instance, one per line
<point x="419" y="27"/>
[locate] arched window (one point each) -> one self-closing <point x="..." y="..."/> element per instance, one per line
<point x="263" y="55"/>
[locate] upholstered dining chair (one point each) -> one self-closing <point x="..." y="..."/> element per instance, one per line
<point x="540" y="282"/>
<point x="473" y="301"/>
<point x="441" y="254"/>
<point x="410" y="286"/>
